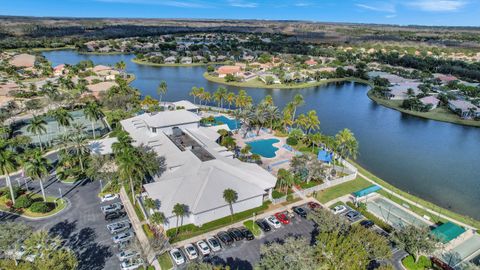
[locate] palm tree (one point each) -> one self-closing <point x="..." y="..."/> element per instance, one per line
<point x="161" y="90"/>
<point x="220" y="95"/>
<point x="301" y="121"/>
<point x="231" y="197"/>
<point x="268" y="100"/>
<point x="150" y="203"/>
<point x="312" y="122"/>
<point x="207" y="96"/>
<point x="121" y="66"/>
<point x="93" y="113"/>
<point x="243" y="100"/>
<point x="129" y="167"/>
<point x="36" y="167"/>
<point x="79" y="147"/>
<point x="347" y="145"/>
<point x="230" y="98"/>
<point x="157" y="218"/>
<point x="7" y="166"/>
<point x="37" y="127"/>
<point x="199" y="94"/>
<point x="124" y="142"/>
<point x="285" y="179"/>
<point x="194" y="93"/>
<point x="179" y="210"/>
<point x="63" y="118"/>
<point x="297" y="102"/>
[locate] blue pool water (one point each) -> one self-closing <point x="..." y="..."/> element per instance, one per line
<point x="230" y="122"/>
<point x="264" y="148"/>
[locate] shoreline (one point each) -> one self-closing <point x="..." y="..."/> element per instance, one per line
<point x="258" y="84"/>
<point x="438" y="114"/>
<point x="419" y="201"/>
<point x="136" y="61"/>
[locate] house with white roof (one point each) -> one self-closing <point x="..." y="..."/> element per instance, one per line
<point x="464" y="109"/>
<point x="198" y="169"/>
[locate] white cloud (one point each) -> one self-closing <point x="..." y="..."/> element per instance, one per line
<point x="438" y="5"/>
<point x="380" y="7"/>
<point x="242" y="4"/>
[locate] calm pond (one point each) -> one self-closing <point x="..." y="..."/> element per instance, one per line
<point x="437" y="161"/>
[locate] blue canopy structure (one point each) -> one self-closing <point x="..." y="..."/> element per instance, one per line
<point x="324" y="156"/>
<point x="366" y="191"/>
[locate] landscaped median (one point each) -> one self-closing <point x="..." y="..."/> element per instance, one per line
<point x="190" y="230"/>
<point x="30" y="205"/>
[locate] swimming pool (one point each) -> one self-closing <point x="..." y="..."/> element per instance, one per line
<point x="231" y="123"/>
<point x="264" y="147"/>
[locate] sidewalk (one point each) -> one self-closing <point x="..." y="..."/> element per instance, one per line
<point x="137" y="227"/>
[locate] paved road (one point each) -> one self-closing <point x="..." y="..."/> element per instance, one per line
<point x="82" y="225"/>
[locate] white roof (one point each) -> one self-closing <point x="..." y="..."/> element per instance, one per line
<point x="165" y="118"/>
<point x="186" y="104"/>
<point x="102" y="147"/>
<point x="187" y="179"/>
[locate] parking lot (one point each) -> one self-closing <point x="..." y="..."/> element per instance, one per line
<point x="245" y="254"/>
<point x="82" y="226"/>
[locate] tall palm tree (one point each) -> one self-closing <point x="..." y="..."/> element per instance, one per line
<point x="179" y="210"/>
<point x="243" y="100"/>
<point x="302" y="121"/>
<point x="268" y="100"/>
<point x="37" y="126"/>
<point x="347" y="145"/>
<point x="78" y="145"/>
<point x="158" y="218"/>
<point x="207" y="96"/>
<point x="230" y="196"/>
<point x="230" y="98"/>
<point x="93" y="113"/>
<point x="124" y="142"/>
<point x="7" y="166"/>
<point x="129" y="167"/>
<point x="36" y="167"/>
<point x="199" y="95"/>
<point x="220" y="95"/>
<point x="194" y="94"/>
<point x="285" y="179"/>
<point x="121" y="66"/>
<point x="63" y="118"/>
<point x="161" y="90"/>
<point x="297" y="102"/>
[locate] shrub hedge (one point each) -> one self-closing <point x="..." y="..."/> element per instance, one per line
<point x="40" y="207"/>
<point x="292" y="141"/>
<point x="23" y="201"/>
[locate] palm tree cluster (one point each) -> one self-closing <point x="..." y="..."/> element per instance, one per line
<point x="135" y="164"/>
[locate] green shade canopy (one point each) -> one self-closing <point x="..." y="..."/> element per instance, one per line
<point x="447" y="232"/>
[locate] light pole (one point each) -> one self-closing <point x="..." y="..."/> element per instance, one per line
<point x="101" y="185"/>
<point x="60" y="191"/>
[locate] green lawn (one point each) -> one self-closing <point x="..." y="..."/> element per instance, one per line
<point x="190" y="230"/>
<point x="255" y="83"/>
<point x="439" y="114"/>
<point x="253" y="227"/>
<point x="467" y="220"/>
<point x="59" y="206"/>
<point x="165" y="261"/>
<point x="423" y="263"/>
<point x="342" y="189"/>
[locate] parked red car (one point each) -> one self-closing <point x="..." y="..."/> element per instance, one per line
<point x="314" y="205"/>
<point x="282" y="218"/>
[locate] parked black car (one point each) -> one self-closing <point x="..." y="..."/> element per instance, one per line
<point x="247" y="233"/>
<point x="225" y="238"/>
<point x="263" y="225"/>
<point x="115" y="215"/>
<point x="235" y="234"/>
<point x="300" y="211"/>
<point x="367" y="223"/>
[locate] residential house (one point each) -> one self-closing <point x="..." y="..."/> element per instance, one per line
<point x="170" y="60"/>
<point x="59" y="70"/>
<point x="464" y="108"/>
<point x="225" y="70"/>
<point x="430" y="100"/>
<point x="311" y="62"/>
<point x="23" y="60"/>
<point x="197" y="169"/>
<point x="186" y="60"/>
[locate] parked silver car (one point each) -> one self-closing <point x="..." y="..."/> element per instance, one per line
<point x="119" y="238"/>
<point x="118" y="227"/>
<point x="111" y="208"/>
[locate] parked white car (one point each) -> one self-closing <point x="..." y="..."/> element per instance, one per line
<point x="109" y="197"/>
<point x="132" y="265"/>
<point x="118" y="227"/>
<point x="273" y="221"/>
<point x="339" y="209"/>
<point x="203" y="248"/>
<point x="114" y="207"/>
<point x="214" y="244"/>
<point x="127" y="254"/>
<point x="190" y="251"/>
<point x="177" y="256"/>
<point x="119" y="238"/>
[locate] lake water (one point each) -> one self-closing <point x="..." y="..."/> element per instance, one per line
<point x="437" y="161"/>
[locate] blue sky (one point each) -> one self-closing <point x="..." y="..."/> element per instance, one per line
<point x="424" y="12"/>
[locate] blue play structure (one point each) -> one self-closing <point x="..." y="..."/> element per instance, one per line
<point x="325" y="156"/>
